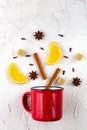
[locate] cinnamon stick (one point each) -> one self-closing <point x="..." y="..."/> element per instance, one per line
<point x="39" y="64"/>
<point x="53" y="78"/>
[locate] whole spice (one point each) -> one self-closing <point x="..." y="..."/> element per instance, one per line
<point x="73" y="70"/>
<point x="42" y="48"/>
<point x="28" y="55"/>
<point x="31" y="64"/>
<point x="23" y="38"/>
<point x="66" y="57"/>
<point x="15" y="57"/>
<point x="61" y="35"/>
<point x="33" y="75"/>
<point x="76" y="81"/>
<point x="70" y="49"/>
<point x="39" y="64"/>
<point x="54" y="76"/>
<point x="63" y="72"/>
<point x="38" y="35"/>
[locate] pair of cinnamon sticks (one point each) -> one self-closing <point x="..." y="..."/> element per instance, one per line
<point x="42" y="72"/>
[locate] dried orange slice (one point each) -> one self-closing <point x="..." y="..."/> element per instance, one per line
<point x="16" y="75"/>
<point x="55" y="53"/>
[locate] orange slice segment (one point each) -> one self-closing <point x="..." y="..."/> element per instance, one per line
<point x="55" y="53"/>
<point x="16" y="75"/>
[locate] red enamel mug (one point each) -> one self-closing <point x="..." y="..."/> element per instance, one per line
<point x="44" y="104"/>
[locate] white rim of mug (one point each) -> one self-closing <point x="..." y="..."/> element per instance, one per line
<point x="55" y="88"/>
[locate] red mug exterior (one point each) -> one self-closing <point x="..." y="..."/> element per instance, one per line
<point x="44" y="105"/>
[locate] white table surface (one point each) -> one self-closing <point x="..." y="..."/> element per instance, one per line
<point x="21" y="18"/>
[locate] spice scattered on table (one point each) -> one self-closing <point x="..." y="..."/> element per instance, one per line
<point x="15" y="57"/>
<point x="27" y="55"/>
<point x="76" y="81"/>
<point x="31" y="64"/>
<point x="63" y="72"/>
<point x="73" y="70"/>
<point x="66" y="57"/>
<point x="42" y="48"/>
<point x="39" y="35"/>
<point x="61" y="35"/>
<point x="23" y="38"/>
<point x="40" y="67"/>
<point x="54" y="76"/>
<point x="79" y="56"/>
<point x="70" y="49"/>
<point x="33" y="75"/>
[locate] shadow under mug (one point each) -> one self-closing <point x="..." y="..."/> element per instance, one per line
<point x="44" y="105"/>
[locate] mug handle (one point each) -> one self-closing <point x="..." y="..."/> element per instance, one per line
<point x="26" y="101"/>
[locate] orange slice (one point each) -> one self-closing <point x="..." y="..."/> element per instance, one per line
<point x="55" y="53"/>
<point x="16" y="75"/>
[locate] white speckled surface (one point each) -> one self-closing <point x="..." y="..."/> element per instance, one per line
<point x="21" y="18"/>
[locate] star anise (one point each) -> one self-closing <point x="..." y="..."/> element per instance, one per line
<point x="76" y="81"/>
<point x="38" y="35"/>
<point x="33" y="75"/>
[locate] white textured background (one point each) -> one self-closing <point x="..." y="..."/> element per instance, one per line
<point x="21" y="18"/>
